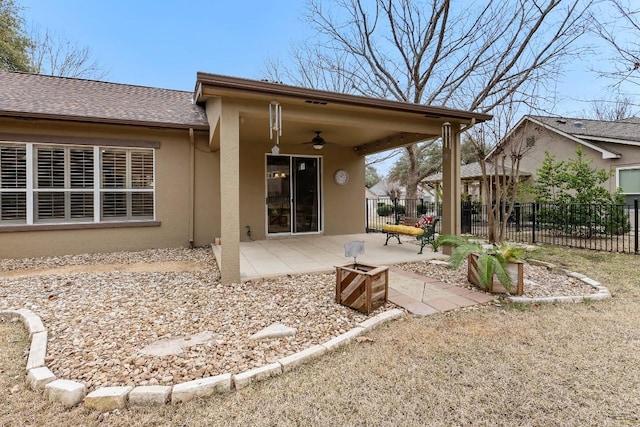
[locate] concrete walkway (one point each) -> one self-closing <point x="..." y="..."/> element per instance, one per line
<point x="320" y="254"/>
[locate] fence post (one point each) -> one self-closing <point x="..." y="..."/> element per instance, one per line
<point x="534" y="212"/>
<point x="635" y="223"/>
<point x="366" y="203"/>
<point x="395" y="210"/>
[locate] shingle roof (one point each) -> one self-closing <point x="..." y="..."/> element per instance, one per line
<point x="628" y="129"/>
<point x="474" y="171"/>
<point x="40" y="96"/>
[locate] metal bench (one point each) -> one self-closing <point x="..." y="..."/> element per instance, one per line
<point x="408" y="226"/>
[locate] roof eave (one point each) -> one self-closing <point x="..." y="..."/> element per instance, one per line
<point x="278" y="89"/>
<point x="100" y="120"/>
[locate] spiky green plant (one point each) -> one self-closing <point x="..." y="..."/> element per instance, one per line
<point x="492" y="259"/>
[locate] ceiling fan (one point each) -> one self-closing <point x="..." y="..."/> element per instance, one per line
<point x="317" y="142"/>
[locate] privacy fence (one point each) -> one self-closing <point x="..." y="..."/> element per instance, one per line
<point x="611" y="228"/>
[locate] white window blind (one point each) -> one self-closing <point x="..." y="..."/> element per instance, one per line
<point x="13" y="183"/>
<point x="127" y="184"/>
<point x="75" y="183"/>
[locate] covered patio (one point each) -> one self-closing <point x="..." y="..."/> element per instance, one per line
<point x="292" y="161"/>
<point x="320" y="254"/>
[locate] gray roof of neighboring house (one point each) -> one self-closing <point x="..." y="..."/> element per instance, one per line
<point x="627" y="129"/>
<point x="474" y="171"/>
<point x="62" y="98"/>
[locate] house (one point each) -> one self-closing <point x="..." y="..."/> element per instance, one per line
<point x="385" y="189"/>
<point x="91" y="166"/>
<point x="612" y="145"/>
<point x="471" y="178"/>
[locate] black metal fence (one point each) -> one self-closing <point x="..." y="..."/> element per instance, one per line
<point x="611" y="228"/>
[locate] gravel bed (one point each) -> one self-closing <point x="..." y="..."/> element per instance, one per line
<point x="538" y="281"/>
<point x="99" y="321"/>
<point x="99" y="317"/>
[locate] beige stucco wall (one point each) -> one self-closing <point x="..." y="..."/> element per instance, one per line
<point x="564" y="149"/>
<point x="172" y="197"/>
<point x="207" y="193"/>
<point x="343" y="209"/>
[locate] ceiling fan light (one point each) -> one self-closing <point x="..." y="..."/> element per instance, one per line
<point x="318" y="146"/>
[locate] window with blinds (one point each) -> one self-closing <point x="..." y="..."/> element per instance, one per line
<point x="127" y="184"/>
<point x="62" y="177"/>
<point x="60" y="184"/>
<point x="13" y="183"/>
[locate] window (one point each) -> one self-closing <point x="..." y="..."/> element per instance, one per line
<point x="629" y="182"/>
<point x="13" y="184"/>
<point x="63" y="187"/>
<point x="68" y="184"/>
<point x="127" y="182"/>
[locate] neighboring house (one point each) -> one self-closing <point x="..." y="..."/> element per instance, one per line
<point x="368" y="194"/>
<point x="89" y="166"/>
<point x="613" y="145"/>
<point x="471" y="178"/>
<point x="391" y="189"/>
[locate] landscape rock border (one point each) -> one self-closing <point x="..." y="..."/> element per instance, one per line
<point x="602" y="294"/>
<point x="104" y="399"/>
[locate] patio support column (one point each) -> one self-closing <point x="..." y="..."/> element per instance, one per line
<point x="451" y="178"/>
<point x="230" y="193"/>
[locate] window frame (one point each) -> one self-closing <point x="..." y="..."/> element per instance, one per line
<point x="623" y="168"/>
<point x="71" y="186"/>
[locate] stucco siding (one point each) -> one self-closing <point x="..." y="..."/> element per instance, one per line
<point x="564" y="149"/>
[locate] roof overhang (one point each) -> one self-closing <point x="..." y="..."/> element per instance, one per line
<point x="367" y="125"/>
<point x="582" y="140"/>
<point x="225" y="85"/>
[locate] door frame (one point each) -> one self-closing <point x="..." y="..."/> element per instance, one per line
<point x="292" y="218"/>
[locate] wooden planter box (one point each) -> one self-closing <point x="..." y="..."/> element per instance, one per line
<point x="495" y="287"/>
<point x="362" y="287"/>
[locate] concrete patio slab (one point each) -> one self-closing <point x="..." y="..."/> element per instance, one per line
<point x="417" y="294"/>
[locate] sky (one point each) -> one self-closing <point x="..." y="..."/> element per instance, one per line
<point x="165" y="43"/>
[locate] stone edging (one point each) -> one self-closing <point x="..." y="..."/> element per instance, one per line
<point x="104" y="399"/>
<point x="602" y="294"/>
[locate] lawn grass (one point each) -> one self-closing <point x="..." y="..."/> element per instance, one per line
<point x="562" y="364"/>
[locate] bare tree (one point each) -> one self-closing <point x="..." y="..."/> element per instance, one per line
<point x="621" y="31"/>
<point x="619" y="109"/>
<point x="500" y="166"/>
<point x="473" y="56"/>
<point x="55" y="55"/>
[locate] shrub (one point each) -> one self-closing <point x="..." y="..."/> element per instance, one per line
<point x="384" y="210"/>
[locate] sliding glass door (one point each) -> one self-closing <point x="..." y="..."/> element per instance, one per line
<point x="293" y="202"/>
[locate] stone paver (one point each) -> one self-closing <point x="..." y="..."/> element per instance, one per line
<point x="343" y="339"/>
<point x="69" y="393"/>
<point x="245" y="378"/>
<point x="204" y="387"/>
<point x="150" y="395"/>
<point x="275" y="330"/>
<point x="37" y="350"/>
<point x="38" y="378"/>
<point x="107" y="399"/>
<point x="290" y="362"/>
